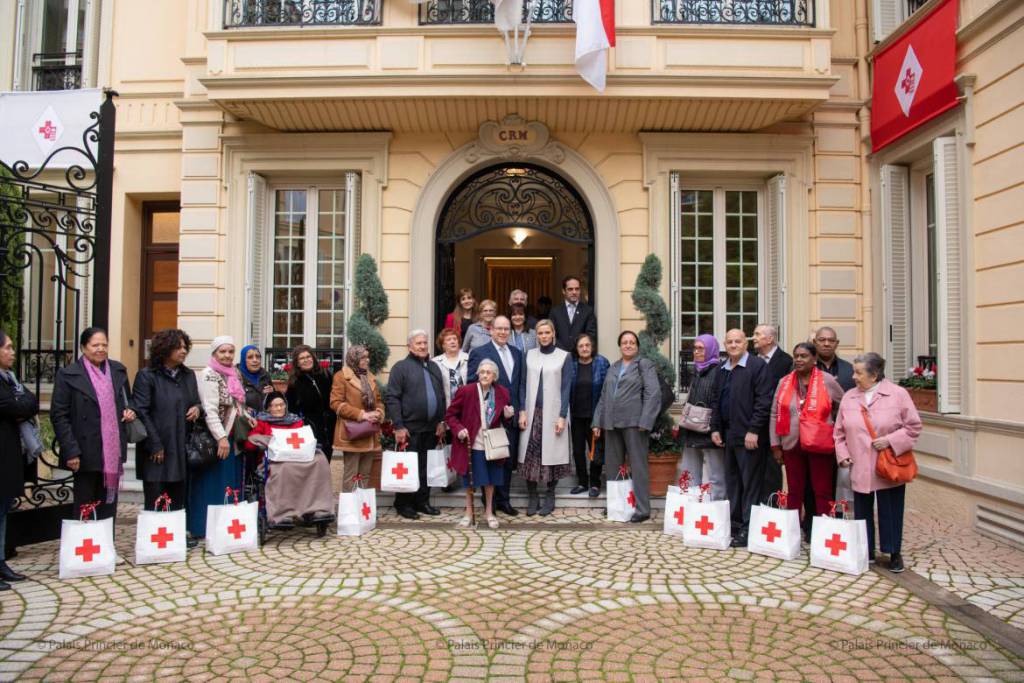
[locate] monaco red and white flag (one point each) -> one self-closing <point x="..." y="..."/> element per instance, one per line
<point x="595" y="33"/>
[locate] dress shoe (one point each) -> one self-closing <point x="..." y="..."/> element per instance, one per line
<point x="428" y="509"/>
<point x="896" y="563"/>
<point x="191" y="543"/>
<point x="594" y="492"/>
<point x="408" y="514"/>
<point x="577" y="490"/>
<point x="739" y="541"/>
<point x="4" y="586"/>
<point x="507" y="509"/>
<point x="637" y="518"/>
<point x="8" y="574"/>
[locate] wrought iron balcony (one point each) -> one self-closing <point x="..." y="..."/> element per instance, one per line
<point x="482" y="12"/>
<point x="734" y="12"/>
<point x="250" y="13"/>
<point x="57" y="70"/>
<point x="914" y="5"/>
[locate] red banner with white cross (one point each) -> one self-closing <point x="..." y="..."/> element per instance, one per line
<point x="913" y="77"/>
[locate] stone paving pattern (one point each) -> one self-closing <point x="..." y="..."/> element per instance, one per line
<point x="568" y="597"/>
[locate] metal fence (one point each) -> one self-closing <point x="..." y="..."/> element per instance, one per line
<point x="256" y="13"/>
<point x="743" y="12"/>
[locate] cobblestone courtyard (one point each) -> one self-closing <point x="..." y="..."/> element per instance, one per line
<point x="572" y="597"/>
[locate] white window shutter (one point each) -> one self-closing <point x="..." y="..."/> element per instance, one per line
<point x="896" y="260"/>
<point x="257" y="278"/>
<point x="775" y="211"/>
<point x="886" y="16"/>
<point x="949" y="273"/>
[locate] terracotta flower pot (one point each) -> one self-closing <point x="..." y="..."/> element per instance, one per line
<point x="662" y="471"/>
<point x="925" y="399"/>
<point x="375" y="472"/>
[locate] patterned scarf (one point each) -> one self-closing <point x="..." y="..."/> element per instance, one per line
<point x="352" y="359"/>
<point x="817" y="404"/>
<point x="230" y="376"/>
<point x="110" y="433"/>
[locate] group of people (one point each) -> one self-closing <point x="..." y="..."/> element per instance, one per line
<point x="562" y="407"/>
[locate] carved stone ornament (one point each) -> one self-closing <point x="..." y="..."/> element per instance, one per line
<point x="514" y="138"/>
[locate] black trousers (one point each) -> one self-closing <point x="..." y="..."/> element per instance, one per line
<point x="151" y="490"/>
<point x="890" y="517"/>
<point x="89" y="488"/>
<point x="421" y="442"/>
<point x="744" y="476"/>
<point x="588" y="473"/>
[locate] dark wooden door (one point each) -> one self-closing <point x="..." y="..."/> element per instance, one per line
<point x="161" y="222"/>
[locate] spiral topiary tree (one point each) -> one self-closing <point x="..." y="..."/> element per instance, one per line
<point x="371" y="310"/>
<point x="647" y="299"/>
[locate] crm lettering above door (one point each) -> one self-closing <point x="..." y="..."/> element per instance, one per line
<point x="515" y="138"/>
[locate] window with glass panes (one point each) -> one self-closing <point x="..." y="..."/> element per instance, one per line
<point x="717" y="273"/>
<point x="312" y="252"/>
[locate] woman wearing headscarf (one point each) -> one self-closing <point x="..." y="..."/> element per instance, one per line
<point x="355" y="399"/>
<point x="309" y="395"/>
<point x="296" y="492"/>
<point x="90" y="400"/>
<point x="223" y="398"/>
<point x="698" y="447"/>
<point x="18" y="405"/>
<point x="255" y="379"/>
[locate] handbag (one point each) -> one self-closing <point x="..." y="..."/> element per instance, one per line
<point x="900" y="468"/>
<point x="695" y="418"/>
<point x="816" y="436"/>
<point x="200" y="446"/>
<point x="361" y="429"/>
<point x="496" y="446"/>
<point x="134" y="430"/>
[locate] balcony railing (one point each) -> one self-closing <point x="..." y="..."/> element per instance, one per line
<point x="57" y="70"/>
<point x="249" y="13"/>
<point x="914" y="5"/>
<point x="733" y="12"/>
<point x="482" y="12"/>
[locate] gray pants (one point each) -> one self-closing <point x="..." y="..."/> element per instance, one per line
<point x="694" y="460"/>
<point x="634" y="442"/>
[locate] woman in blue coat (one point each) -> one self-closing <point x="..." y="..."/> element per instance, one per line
<point x="590" y="369"/>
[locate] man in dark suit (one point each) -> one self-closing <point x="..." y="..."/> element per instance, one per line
<point x="780" y="364"/>
<point x="827" y="341"/>
<point x="572" y="317"/>
<point x="744" y="407"/>
<point x="512" y="376"/>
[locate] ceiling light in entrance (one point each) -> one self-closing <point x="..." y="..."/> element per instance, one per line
<point x="518" y="237"/>
<point x="515" y="170"/>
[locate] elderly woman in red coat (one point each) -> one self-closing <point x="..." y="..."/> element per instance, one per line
<point x="476" y="404"/>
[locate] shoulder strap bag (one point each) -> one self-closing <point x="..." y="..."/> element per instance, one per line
<point x="900" y="468"/>
<point x="495" y="440"/>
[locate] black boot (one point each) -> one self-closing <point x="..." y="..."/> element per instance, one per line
<point x="549" y="500"/>
<point x="534" y="499"/>
<point x="8" y="574"/>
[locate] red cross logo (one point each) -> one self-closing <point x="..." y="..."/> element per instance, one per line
<point x="836" y="544"/>
<point x="366" y="511"/>
<point x="631" y="499"/>
<point x="87" y="550"/>
<point x="400" y="470"/>
<point x="771" y="532"/>
<point x="705" y="525"/>
<point x="907" y="84"/>
<point x="48" y="130"/>
<point x="236" y="529"/>
<point x="161" y="537"/>
<point x="678" y="514"/>
<point x="295" y="440"/>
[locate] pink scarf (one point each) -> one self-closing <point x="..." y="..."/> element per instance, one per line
<point x="110" y="430"/>
<point x="230" y="375"/>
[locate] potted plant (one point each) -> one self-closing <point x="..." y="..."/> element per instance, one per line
<point x="279" y="376"/>
<point x="664" y="446"/>
<point x="922" y="384"/>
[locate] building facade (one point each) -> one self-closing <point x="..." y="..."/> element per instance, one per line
<point x="262" y="144"/>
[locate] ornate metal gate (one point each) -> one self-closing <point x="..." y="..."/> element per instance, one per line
<point x="55" y="269"/>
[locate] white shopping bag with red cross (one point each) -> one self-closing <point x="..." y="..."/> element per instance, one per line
<point x="621" y="499"/>
<point x="774" y="531"/>
<point x="707" y="522"/>
<point x="357" y="511"/>
<point x="437" y="465"/>
<point x="400" y="472"/>
<point x="676" y="499"/>
<point x="87" y="545"/>
<point x="232" y="527"/>
<point x="292" y="445"/>
<point x="838" y="543"/>
<point x="160" y="534"/>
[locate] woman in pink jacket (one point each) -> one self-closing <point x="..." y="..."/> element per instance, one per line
<point x="897" y="424"/>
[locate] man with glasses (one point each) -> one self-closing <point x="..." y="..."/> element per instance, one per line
<point x="827" y="341"/>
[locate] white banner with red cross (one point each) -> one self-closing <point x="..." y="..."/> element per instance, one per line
<point x="87" y="545"/>
<point x="774" y="531"/>
<point x="292" y="445"/>
<point x="34" y="125"/>
<point x="357" y="511"/>
<point x="232" y="527"/>
<point x="707" y="523"/>
<point x="676" y="499"/>
<point x="160" y="534"/>
<point x="839" y="544"/>
<point x="621" y="498"/>
<point x="400" y="472"/>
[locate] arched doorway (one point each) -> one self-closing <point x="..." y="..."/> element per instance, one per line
<point x="508" y="226"/>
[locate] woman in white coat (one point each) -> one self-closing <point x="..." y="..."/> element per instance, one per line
<point x="544" y="453"/>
